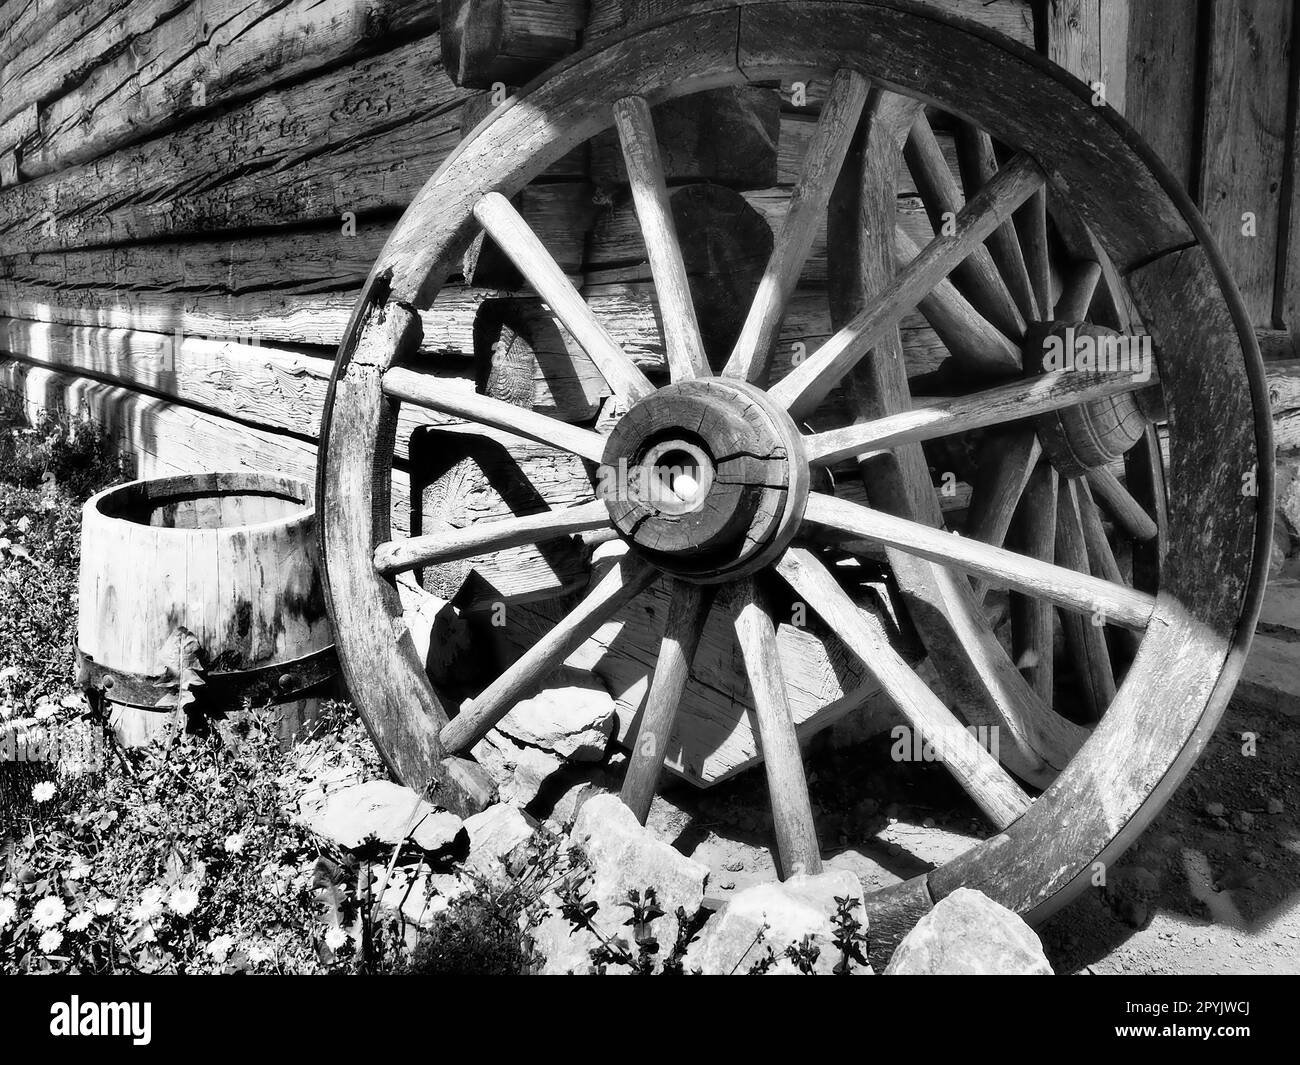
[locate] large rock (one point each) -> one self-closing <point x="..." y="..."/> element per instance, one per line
<point x="495" y="835"/>
<point x="573" y="717"/>
<point x="624" y="856"/>
<point x="519" y="771"/>
<point x="380" y="811"/>
<point x="967" y="933"/>
<point x="784" y="914"/>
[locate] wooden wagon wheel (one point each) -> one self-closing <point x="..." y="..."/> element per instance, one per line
<point x="1157" y="592"/>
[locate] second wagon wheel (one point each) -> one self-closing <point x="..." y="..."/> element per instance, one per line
<point x="756" y="479"/>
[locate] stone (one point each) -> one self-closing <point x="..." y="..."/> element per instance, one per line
<point x="785" y="913"/>
<point x="1276" y="806"/>
<point x="967" y="933"/>
<point x="624" y="856"/>
<point x="519" y="771"/>
<point x="382" y="812"/>
<point x="1214" y="809"/>
<point x="573" y="716"/>
<point x="1244" y="819"/>
<point x="495" y="835"/>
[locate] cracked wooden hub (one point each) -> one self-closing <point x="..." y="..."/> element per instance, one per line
<point x="699" y="475"/>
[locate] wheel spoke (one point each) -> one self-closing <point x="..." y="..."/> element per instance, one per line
<point x="1083" y="635"/>
<point x="687" y="611"/>
<point x="619" y="586"/>
<point x="825" y="155"/>
<point x="992" y="788"/>
<point x="1127" y="511"/>
<point x="645" y="172"/>
<point x="979" y="166"/>
<point x="994" y="406"/>
<point x="1006" y="463"/>
<point x="398" y="556"/>
<point x="792" y="816"/>
<point x="1004" y="474"/>
<point x="1101" y="556"/>
<point x="972" y="339"/>
<point x="410" y="386"/>
<point x="942" y="195"/>
<point x="1065" y="587"/>
<point x="1080" y="287"/>
<point x="1032" y="226"/>
<point x="515" y="237"/>
<point x="813" y="378"/>
<point x="1032" y="631"/>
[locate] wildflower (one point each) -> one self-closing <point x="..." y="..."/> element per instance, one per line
<point x="79" y="871"/>
<point x="44" y="710"/>
<point x="50" y="942"/>
<point x="49" y="912"/>
<point x="44" y="791"/>
<point x="220" y="947"/>
<point x="183" y="901"/>
<point x="336" y="938"/>
<point x="105" y="907"/>
<point x="149" y="906"/>
<point x="234" y="844"/>
<point x="81" y="922"/>
<point x="8" y="912"/>
<point x="260" y="953"/>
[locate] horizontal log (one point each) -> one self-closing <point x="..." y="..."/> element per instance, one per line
<point x="50" y="44"/>
<point x="276" y="387"/>
<point x="360" y="138"/>
<point x="209" y="53"/>
<point x="1284" y="398"/>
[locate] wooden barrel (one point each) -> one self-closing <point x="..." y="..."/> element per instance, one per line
<point x="203" y="587"/>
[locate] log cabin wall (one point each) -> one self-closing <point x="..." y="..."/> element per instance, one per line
<point x="191" y="192"/>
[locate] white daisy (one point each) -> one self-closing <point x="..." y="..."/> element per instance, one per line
<point x="184" y="901"/>
<point x="336" y="938"/>
<point x="44" y="791"/>
<point x="8" y="912"/>
<point x="50" y="942"/>
<point x="220" y="947"/>
<point x="49" y="912"/>
<point x="81" y="922"/>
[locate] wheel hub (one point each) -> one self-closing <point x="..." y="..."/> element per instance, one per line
<point x="705" y="477"/>
<point x="1084" y="437"/>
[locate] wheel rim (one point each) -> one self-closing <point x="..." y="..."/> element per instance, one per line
<point x="1197" y="630"/>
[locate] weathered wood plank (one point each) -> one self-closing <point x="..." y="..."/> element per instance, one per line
<point x="1245" y="140"/>
<point x="208" y="53"/>
<point x="1160" y="96"/>
<point x="1089" y="38"/>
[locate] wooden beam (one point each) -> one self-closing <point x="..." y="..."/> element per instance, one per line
<point x="507" y="41"/>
